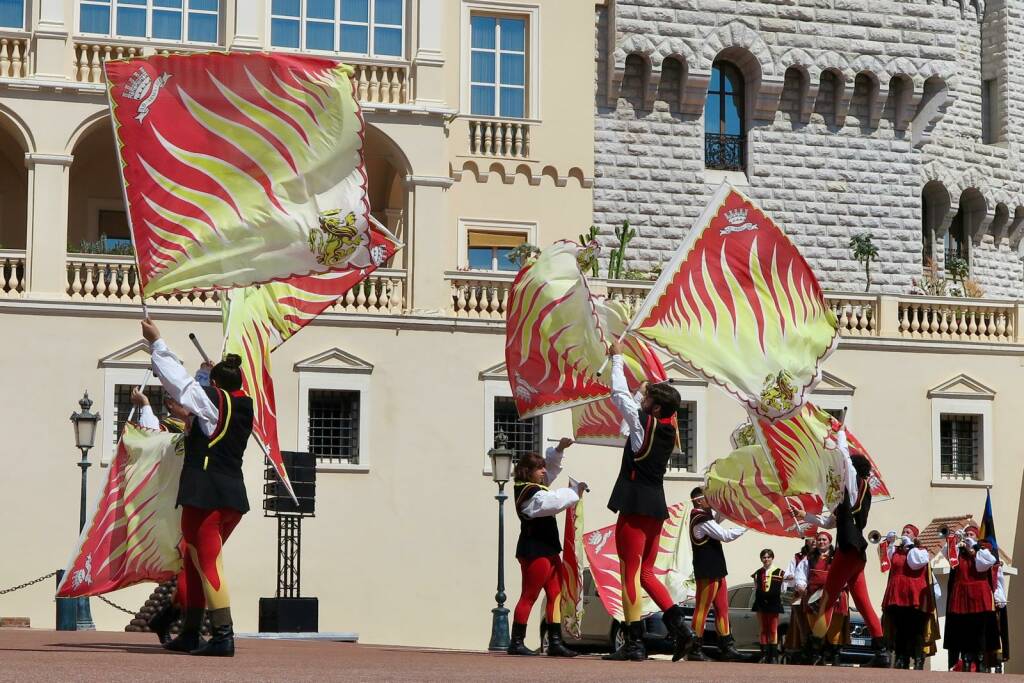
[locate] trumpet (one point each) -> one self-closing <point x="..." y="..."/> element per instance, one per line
<point x="875" y="536"/>
<point x="945" y="533"/>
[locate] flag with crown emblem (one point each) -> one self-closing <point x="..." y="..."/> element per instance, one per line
<point x="239" y="168"/>
<point x="738" y="305"/>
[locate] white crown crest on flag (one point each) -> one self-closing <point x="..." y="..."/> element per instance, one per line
<point x="138" y="85"/>
<point x="737" y="219"/>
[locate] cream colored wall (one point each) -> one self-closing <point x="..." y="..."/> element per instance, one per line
<point x="404" y="554"/>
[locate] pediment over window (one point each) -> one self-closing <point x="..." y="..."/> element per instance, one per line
<point x="495" y="372"/>
<point x="680" y="374"/>
<point x="135" y="355"/>
<point x="831" y="385"/>
<point x="962" y="387"/>
<point x="335" y="360"/>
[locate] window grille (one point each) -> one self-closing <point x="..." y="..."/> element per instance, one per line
<point x="960" y="446"/>
<point x="123" y="405"/>
<point x="687" y="418"/>
<point x="724" y="127"/>
<point x="334" y="426"/>
<point x="524" y="436"/>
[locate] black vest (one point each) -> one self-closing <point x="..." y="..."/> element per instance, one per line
<point x="708" y="558"/>
<point x="640" y="487"/>
<point x="768" y="600"/>
<point x="538" y="536"/>
<point x="852" y="518"/>
<point x="211" y="476"/>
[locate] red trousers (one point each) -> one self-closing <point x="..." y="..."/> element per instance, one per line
<point x="636" y="540"/>
<point x="769" y="628"/>
<point x="711" y="593"/>
<point x="200" y="583"/>
<point x="540" y="573"/>
<point x="847" y="573"/>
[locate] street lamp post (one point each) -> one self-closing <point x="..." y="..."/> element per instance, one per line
<point x="501" y="468"/>
<point x="84" y="422"/>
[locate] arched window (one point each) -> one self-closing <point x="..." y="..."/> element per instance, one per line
<point x="724" y="127"/>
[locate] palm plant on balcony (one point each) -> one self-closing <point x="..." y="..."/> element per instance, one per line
<point x="103" y="246"/>
<point x="624" y="235"/>
<point x="523" y="254"/>
<point x="864" y="252"/>
<point x="586" y="239"/>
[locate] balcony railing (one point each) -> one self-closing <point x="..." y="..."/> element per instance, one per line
<point x="14" y="57"/>
<point x="113" y="279"/>
<point x="479" y="294"/>
<point x="485" y="295"/>
<point x="724" y="152"/>
<point x="12" y="273"/>
<point x="375" y="83"/>
<point x="499" y="138"/>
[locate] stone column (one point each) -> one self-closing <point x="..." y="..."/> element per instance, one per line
<point x="428" y="62"/>
<point x="47" y="239"/>
<point x="248" y="25"/>
<point x="428" y="210"/>
<point x="52" y="48"/>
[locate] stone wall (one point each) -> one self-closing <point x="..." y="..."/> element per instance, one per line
<point x="852" y="106"/>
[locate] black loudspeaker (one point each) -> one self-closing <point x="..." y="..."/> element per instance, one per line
<point x="289" y="615"/>
<point x="301" y="469"/>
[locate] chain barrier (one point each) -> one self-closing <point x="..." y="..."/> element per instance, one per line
<point x="28" y="583"/>
<point x="116" y="606"/>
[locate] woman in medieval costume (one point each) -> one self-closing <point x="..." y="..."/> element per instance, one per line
<point x="539" y="547"/>
<point x="211" y="491"/>
<point x="811" y="574"/>
<point x="971" y="609"/>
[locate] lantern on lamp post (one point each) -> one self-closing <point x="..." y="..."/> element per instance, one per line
<point x="85" y="422"/>
<point x="501" y="470"/>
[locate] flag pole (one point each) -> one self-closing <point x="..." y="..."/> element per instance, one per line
<point x="199" y="347"/>
<point x="145" y="381"/>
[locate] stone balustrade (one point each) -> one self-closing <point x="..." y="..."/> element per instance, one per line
<point x="375" y="83"/>
<point x="479" y="294"/>
<point x="383" y="293"/>
<point x="382" y="83"/>
<point x="13" y="57"/>
<point x="499" y="138"/>
<point x="12" y="273"/>
<point x="952" y="319"/>
<point x="113" y="279"/>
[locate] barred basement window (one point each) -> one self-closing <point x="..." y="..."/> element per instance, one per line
<point x="685" y="461"/>
<point x="123" y="405"/>
<point x="524" y="436"/>
<point x="960" y="446"/>
<point x="334" y="426"/>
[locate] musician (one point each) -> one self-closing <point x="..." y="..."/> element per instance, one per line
<point x="847" y="569"/>
<point x="768" y="582"/>
<point x="909" y="600"/>
<point x="810" y="576"/>
<point x="971" y="611"/>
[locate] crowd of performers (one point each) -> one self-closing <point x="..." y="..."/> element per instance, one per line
<point x="826" y="575"/>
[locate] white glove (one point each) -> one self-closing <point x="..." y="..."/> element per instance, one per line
<point x="811" y="518"/>
<point x="1000" y="605"/>
<point x="907" y="540"/>
<point x="891" y="536"/>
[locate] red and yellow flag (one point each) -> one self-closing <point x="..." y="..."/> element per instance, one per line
<point x="258" y="319"/>
<point x="571" y="607"/>
<point x="239" y="168"/>
<point x="599" y="422"/>
<point x="554" y="345"/>
<point x="743" y="487"/>
<point x="603" y="558"/>
<point x="133" y="533"/>
<point x="740" y="306"/>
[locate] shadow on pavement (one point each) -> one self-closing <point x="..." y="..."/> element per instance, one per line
<point x="112" y="647"/>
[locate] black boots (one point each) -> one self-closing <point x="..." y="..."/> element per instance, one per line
<point x="161" y="622"/>
<point x="633" y="649"/>
<point x="222" y="637"/>
<point x="880" y="660"/>
<point x="696" y="651"/>
<point x="763" y="659"/>
<point x="516" y="645"/>
<point x="674" y="619"/>
<point x="556" y="647"/>
<point x="812" y="652"/>
<point x="919" y="662"/>
<point x="189" y="638"/>
<point x="769" y="654"/>
<point x="727" y="651"/>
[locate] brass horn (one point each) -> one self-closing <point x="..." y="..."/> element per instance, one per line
<point x="943" y="531"/>
<point x="875" y="536"/>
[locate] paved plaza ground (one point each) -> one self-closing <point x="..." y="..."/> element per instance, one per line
<point x="38" y="655"/>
